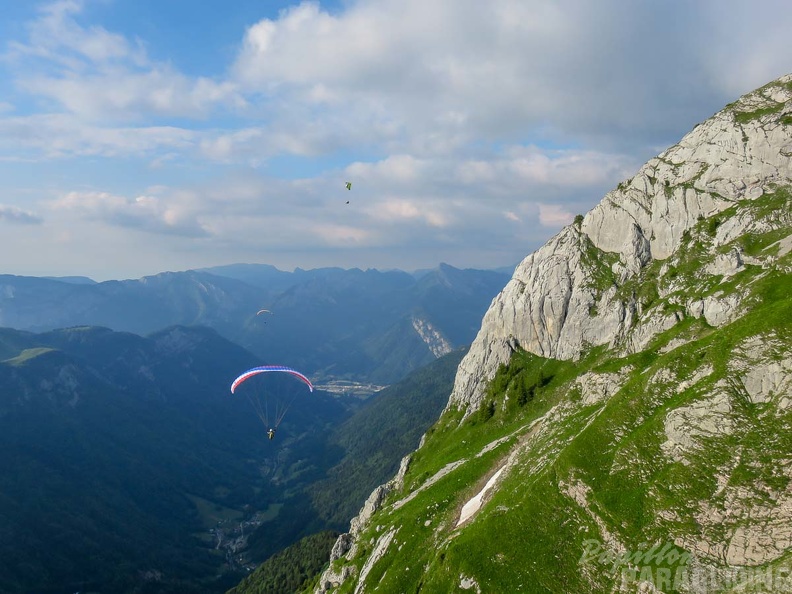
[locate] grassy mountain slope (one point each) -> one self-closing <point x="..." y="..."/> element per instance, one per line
<point x="377" y="436"/>
<point x="610" y="468"/>
<point x="659" y="463"/>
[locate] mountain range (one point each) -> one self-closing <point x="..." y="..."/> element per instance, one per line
<point x="335" y="324"/>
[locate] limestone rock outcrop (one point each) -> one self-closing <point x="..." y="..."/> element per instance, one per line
<point x="552" y="306"/>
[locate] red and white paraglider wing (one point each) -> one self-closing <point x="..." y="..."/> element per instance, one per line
<point x="267" y="369"/>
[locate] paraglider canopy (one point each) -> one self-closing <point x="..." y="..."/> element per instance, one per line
<point x="349" y="185"/>
<point x="261" y="311"/>
<point x="267" y="369"/>
<point x="264" y="403"/>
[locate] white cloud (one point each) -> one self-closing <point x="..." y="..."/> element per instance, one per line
<point x="444" y="78"/>
<point x="13" y="214"/>
<point x="393" y="209"/>
<point x="467" y="128"/>
<point x="255" y="145"/>
<point x="430" y="78"/>
<point x="756" y="49"/>
<point x="554" y="215"/>
<point x="146" y="213"/>
<point x="58" y="135"/>
<point x="453" y="70"/>
<point x="333" y="235"/>
<point x="122" y="95"/>
<point x="56" y="36"/>
<point x="100" y="75"/>
<point x="393" y="169"/>
<point x="566" y="167"/>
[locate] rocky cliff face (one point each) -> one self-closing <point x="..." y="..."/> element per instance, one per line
<point x="623" y="420"/>
<point x="432" y="337"/>
<point x="556" y="304"/>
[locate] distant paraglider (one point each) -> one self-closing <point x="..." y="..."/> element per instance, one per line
<point x="349" y="185"/>
<point x="261" y="311"/>
<point x="270" y="408"/>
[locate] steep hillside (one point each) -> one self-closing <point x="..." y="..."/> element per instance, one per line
<point x="291" y="569"/>
<point x="623" y="420"/>
<point x="377" y="436"/>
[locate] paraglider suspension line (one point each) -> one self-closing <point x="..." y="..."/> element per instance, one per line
<point x="282" y="412"/>
<point x="261" y="406"/>
<point x="261" y="411"/>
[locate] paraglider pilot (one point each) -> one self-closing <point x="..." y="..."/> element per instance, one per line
<point x="271" y="433"/>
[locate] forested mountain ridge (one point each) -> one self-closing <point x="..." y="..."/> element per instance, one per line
<point x="623" y="420"/>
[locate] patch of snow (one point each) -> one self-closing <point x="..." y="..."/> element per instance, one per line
<point x="473" y="505"/>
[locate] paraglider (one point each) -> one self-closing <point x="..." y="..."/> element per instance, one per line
<point x="259" y="397"/>
<point x="261" y="311"/>
<point x="349" y="185"/>
<point x="268" y="369"/>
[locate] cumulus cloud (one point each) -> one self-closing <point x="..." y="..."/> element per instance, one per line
<point x="334" y="235"/>
<point x="531" y="166"/>
<point x="59" y="135"/>
<point x="122" y="95"/>
<point x="255" y="145"/>
<point x="394" y="210"/>
<point x="404" y="203"/>
<point x="394" y="169"/>
<point x="407" y="77"/>
<point x="466" y="127"/>
<point x="13" y="214"/>
<point x="56" y="36"/>
<point x="451" y="70"/>
<point x="152" y="214"/>
<point x="100" y="75"/>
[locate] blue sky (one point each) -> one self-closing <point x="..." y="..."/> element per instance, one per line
<point x="140" y="136"/>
